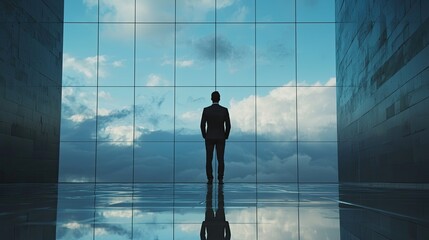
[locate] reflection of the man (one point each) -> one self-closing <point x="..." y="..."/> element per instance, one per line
<point x="215" y="227"/>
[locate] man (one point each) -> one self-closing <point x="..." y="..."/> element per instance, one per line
<point x="218" y="126"/>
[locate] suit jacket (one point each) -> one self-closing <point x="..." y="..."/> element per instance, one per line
<point x="218" y="123"/>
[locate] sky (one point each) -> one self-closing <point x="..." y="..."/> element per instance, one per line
<point x="149" y="81"/>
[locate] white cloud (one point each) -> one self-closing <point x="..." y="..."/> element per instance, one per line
<point x="79" y="102"/>
<point x="118" y="200"/>
<point x="100" y="231"/>
<point x="190" y="116"/>
<point x="185" y="63"/>
<point x="118" y="63"/>
<point x="197" y="10"/>
<point x="90" y="3"/>
<point x="74" y="225"/>
<point x="77" y="179"/>
<point x="103" y="112"/>
<point x="180" y="63"/>
<point x="78" y="118"/>
<point x="121" y="135"/>
<point x="224" y="3"/>
<point x="190" y="228"/>
<point x="276" y="112"/>
<point x="240" y="14"/>
<point x="104" y="95"/>
<point x="66" y="93"/>
<point x="73" y="230"/>
<point x="206" y="5"/>
<point x="117" y="213"/>
<point x="117" y="10"/>
<point x="155" y="80"/>
<point x="86" y="66"/>
<point x="124" y="10"/>
<point x="149" y="10"/>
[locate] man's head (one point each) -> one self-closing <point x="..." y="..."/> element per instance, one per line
<point x="215" y="96"/>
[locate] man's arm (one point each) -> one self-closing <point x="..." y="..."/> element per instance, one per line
<point x="228" y="231"/>
<point x="203" y="231"/>
<point x="203" y="124"/>
<point x="227" y="125"/>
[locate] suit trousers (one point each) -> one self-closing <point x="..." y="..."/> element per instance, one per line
<point x="220" y="150"/>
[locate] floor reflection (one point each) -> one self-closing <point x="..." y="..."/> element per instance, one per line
<point x="384" y="213"/>
<point x="215" y="225"/>
<point x="28" y="211"/>
<point x="197" y="211"/>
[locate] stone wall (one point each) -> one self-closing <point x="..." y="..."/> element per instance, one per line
<point x="383" y="91"/>
<point x="31" y="36"/>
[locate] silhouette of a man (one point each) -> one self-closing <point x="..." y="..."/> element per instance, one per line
<point x="215" y="227"/>
<point x="218" y="124"/>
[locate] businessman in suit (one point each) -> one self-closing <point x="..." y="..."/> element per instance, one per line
<point x="216" y="118"/>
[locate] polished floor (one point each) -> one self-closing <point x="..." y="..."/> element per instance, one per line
<point x="200" y="211"/>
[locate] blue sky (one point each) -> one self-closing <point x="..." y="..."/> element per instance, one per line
<point x="153" y="79"/>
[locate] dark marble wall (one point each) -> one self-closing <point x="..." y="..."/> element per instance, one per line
<point x="31" y="37"/>
<point x="382" y="49"/>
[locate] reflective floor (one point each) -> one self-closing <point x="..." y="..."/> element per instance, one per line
<point x="200" y="211"/>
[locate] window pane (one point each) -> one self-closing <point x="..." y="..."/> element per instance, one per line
<point x="155" y="11"/>
<point x="195" y="55"/>
<point x="115" y="162"/>
<point x="318" y="162"/>
<point x="155" y="55"/>
<point x="190" y="162"/>
<point x="116" y="114"/>
<point x="316" y="54"/>
<point x="277" y="162"/>
<point x="153" y="162"/>
<point x="80" y="11"/>
<point x="235" y="55"/>
<point x="116" y="11"/>
<point x="317" y="114"/>
<point x="235" y="11"/>
<point x="240" y="162"/>
<point x="78" y="113"/>
<point x="315" y="11"/>
<point x="190" y="102"/>
<point x="116" y="57"/>
<point x="154" y="118"/>
<point x="275" y="10"/>
<point x="195" y="10"/>
<point x="275" y="54"/>
<point x="77" y="162"/>
<point x="80" y="54"/>
<point x="276" y="114"/>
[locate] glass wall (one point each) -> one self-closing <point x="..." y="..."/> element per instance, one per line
<point x="138" y="73"/>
